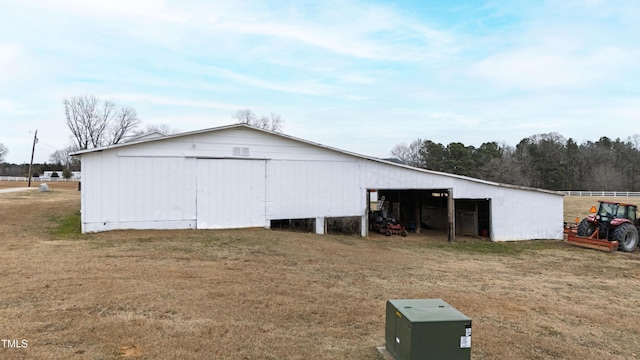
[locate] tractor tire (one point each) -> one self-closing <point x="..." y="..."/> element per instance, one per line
<point x="404" y="233"/>
<point x="627" y="236"/>
<point x="586" y="228"/>
<point x="388" y="233"/>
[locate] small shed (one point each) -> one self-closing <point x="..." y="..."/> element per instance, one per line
<point x="240" y="176"/>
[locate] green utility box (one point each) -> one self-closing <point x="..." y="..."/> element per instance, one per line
<point x="427" y="329"/>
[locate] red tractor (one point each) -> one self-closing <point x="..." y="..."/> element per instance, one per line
<point x="612" y="226"/>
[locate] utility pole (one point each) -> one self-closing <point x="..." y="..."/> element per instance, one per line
<point x="33" y="150"/>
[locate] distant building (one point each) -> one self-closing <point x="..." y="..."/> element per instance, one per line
<point x="46" y="175"/>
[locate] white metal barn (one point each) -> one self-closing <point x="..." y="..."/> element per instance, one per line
<point x="239" y="176"/>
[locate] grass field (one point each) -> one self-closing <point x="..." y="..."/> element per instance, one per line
<point x="58" y="185"/>
<point x="261" y="294"/>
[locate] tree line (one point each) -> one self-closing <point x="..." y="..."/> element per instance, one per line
<point x="547" y="161"/>
<point x="22" y="170"/>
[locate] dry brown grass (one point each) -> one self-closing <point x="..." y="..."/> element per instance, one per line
<point x="56" y="185"/>
<point x="260" y="294"/>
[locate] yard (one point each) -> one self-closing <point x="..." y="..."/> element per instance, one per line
<point x="262" y="294"/>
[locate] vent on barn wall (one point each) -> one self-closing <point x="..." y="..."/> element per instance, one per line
<point x="240" y="151"/>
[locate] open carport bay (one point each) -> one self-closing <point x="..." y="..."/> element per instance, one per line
<point x="431" y="209"/>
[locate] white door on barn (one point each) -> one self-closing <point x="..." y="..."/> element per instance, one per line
<point x="231" y="193"/>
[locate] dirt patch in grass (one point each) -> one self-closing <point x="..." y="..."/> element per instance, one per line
<point x="131" y="351"/>
<point x="261" y="294"/>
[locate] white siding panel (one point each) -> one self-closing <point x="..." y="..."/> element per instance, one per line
<point x="527" y="215"/>
<point x="137" y="193"/>
<point x="231" y="193"/>
<point x="128" y="190"/>
<point x="309" y="189"/>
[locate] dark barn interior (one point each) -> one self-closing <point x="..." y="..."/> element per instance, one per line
<point x="431" y="209"/>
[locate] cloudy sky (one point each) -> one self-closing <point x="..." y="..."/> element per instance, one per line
<point x="356" y="75"/>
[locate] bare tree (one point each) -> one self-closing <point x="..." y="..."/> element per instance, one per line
<point x="59" y="157"/>
<point x="95" y="123"/>
<point x="244" y="116"/>
<point x="3" y="152"/>
<point x="272" y="122"/>
<point x="161" y="128"/>
<point x="62" y="157"/>
<point x="409" y="154"/>
<point x="125" y="121"/>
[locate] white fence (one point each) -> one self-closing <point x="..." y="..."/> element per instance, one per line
<point x="35" y="179"/>
<point x="603" y="193"/>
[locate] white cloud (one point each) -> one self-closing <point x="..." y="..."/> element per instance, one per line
<point x="169" y="101"/>
<point x="340" y="39"/>
<point x="359" y="79"/>
<point x="11" y="108"/>
<point x="9" y="53"/>
<point x="309" y="87"/>
<point x="378" y="32"/>
<point x="12" y="62"/>
<point x="544" y="68"/>
<point x="151" y="10"/>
